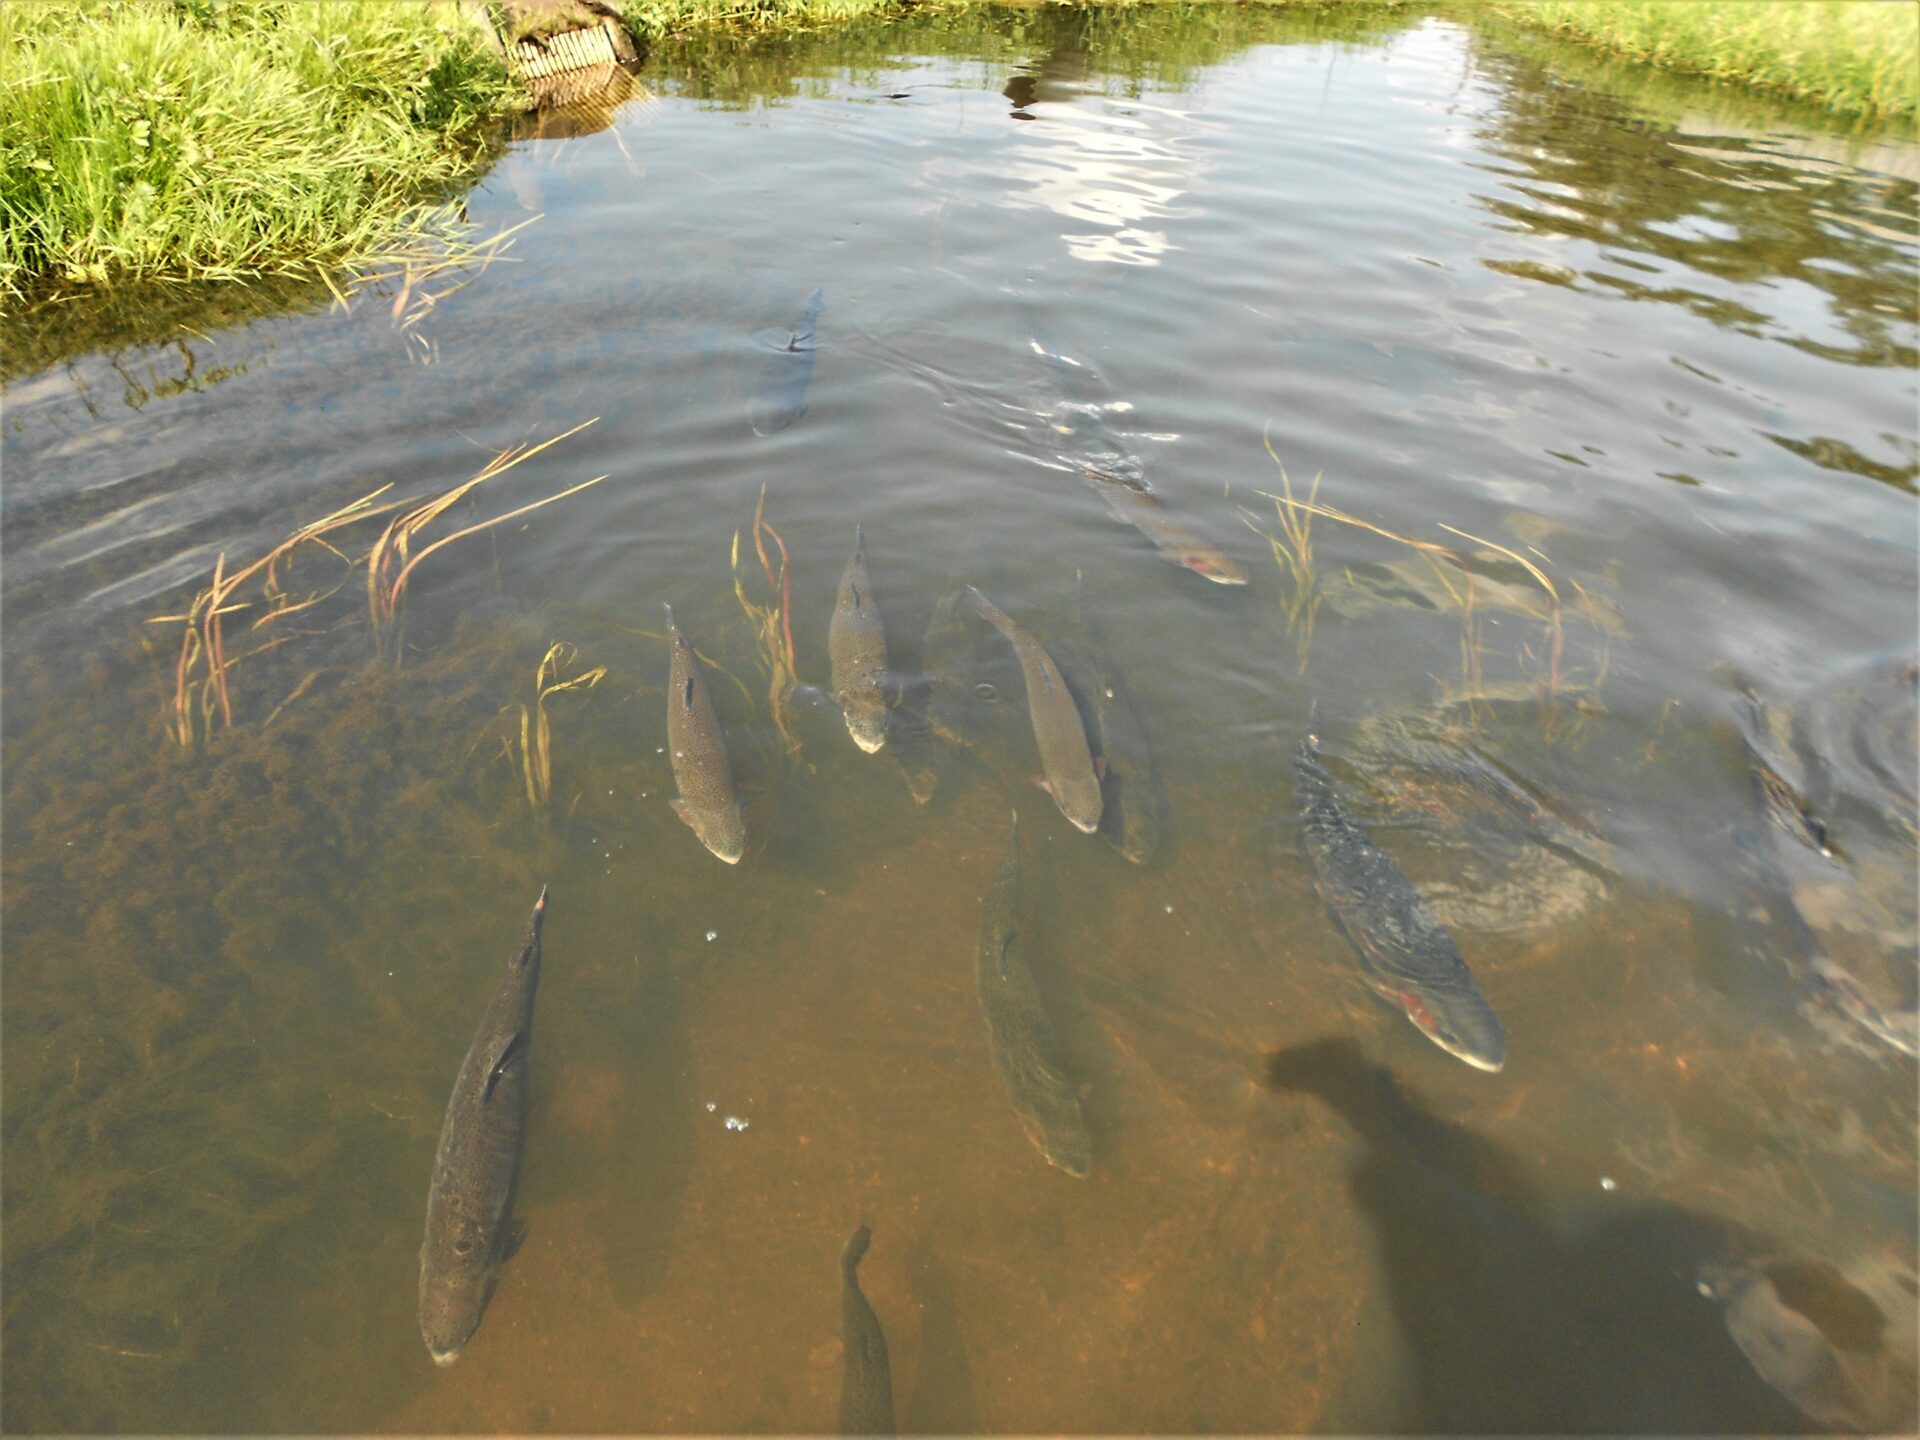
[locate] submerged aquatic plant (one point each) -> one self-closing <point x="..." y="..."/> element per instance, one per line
<point x="536" y="731"/>
<point x="772" y="622"/>
<point x="392" y="561"/>
<point x="200" y="688"/>
<point x="1459" y="576"/>
<point x="1293" y="553"/>
<point x="202" y="696"/>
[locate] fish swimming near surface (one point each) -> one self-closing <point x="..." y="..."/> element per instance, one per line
<point x="1026" y="1050"/>
<point x="866" y="1378"/>
<point x="1065" y="757"/>
<point x="1133" y="802"/>
<point x="1088" y="445"/>
<point x="698" y="748"/>
<point x="857" y="647"/>
<point x="781" y="397"/>
<point x="470" y="1227"/>
<point x="1406" y="955"/>
<point x="1176" y="541"/>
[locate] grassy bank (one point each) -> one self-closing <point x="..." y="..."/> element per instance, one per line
<point x="197" y="139"/>
<point x="1852" y="57"/>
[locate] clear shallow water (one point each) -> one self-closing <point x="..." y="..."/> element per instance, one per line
<point x="1664" y="354"/>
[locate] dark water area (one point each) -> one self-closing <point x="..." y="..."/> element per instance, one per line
<point x="1596" y="405"/>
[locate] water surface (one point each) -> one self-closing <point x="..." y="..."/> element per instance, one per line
<point x="1638" y="377"/>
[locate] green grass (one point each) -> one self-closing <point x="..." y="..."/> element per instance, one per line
<point x="657" y="19"/>
<point x="1854" y="57"/>
<point x="206" y="139"/>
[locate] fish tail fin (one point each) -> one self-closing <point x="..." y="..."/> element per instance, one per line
<point x="988" y="611"/>
<point x="669" y="609"/>
<point x="855" y="1250"/>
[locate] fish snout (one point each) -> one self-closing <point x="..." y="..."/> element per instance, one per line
<point x="1217" y="568"/>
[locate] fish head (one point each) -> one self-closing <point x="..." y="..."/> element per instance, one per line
<point x="456" y="1282"/>
<point x="1082" y="803"/>
<point x="868" y="727"/>
<point x="725" y="834"/>
<point x="1212" y="565"/>
<point x="1465" y="1029"/>
<point x="1072" y="1153"/>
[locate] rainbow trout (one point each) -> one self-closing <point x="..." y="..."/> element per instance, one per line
<point x="866" y="1378"/>
<point x="857" y="647"/>
<point x="470" y="1229"/>
<point x="698" y="748"/>
<point x="1020" y="1035"/>
<point x="1406" y="955"/>
<point x="1087" y="444"/>
<point x="1065" y="757"/>
<point x="782" y="396"/>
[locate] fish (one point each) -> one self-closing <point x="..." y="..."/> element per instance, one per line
<point x="698" y="748"/>
<point x="1779" y="780"/>
<point x="470" y="1226"/>
<point x="1133" y="804"/>
<point x="857" y="647"/>
<point x="1026" y="1051"/>
<point x="1406" y="955"/>
<point x="1089" y="446"/>
<point x="782" y="396"/>
<point x="866" y="1379"/>
<point x="1065" y="756"/>
<point x="1173" y="538"/>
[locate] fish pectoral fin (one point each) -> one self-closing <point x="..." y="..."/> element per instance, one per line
<point x="516" y="1043"/>
<point x="679" y="807"/>
<point x="1044" y="783"/>
<point x="1100" y="766"/>
<point x="515" y="1238"/>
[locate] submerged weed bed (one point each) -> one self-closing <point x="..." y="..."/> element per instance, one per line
<point x="1854" y="57"/>
<point x="196" y="139"/>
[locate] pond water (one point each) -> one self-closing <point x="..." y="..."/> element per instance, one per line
<point x="1606" y="599"/>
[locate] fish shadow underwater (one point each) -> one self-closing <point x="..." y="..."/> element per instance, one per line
<point x="1511" y="1326"/>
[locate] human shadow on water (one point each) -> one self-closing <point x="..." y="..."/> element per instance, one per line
<point x="1512" y="1327"/>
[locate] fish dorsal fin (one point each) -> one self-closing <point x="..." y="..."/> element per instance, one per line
<point x="686" y="696"/>
<point x="858" y="603"/>
<point x="516" y="1044"/>
<point x="1006" y="949"/>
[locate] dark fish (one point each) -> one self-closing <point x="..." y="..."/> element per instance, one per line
<point x="857" y="647"/>
<point x="1065" y="756"/>
<point x="470" y="1232"/>
<point x="866" y="1379"/>
<point x="1020" y="1035"/>
<point x="782" y="396"/>
<point x="1779" y="780"/>
<point x="1133" y="805"/>
<point x="698" y="748"/>
<point x="1406" y="955"/>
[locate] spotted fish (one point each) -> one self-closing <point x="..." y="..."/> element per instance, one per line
<point x="698" y="748"/>
<point x="857" y="648"/>
<point x="866" y="1378"/>
<point x="470" y="1230"/>
<point x="1406" y="955"/>
<point x="1065" y="757"/>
